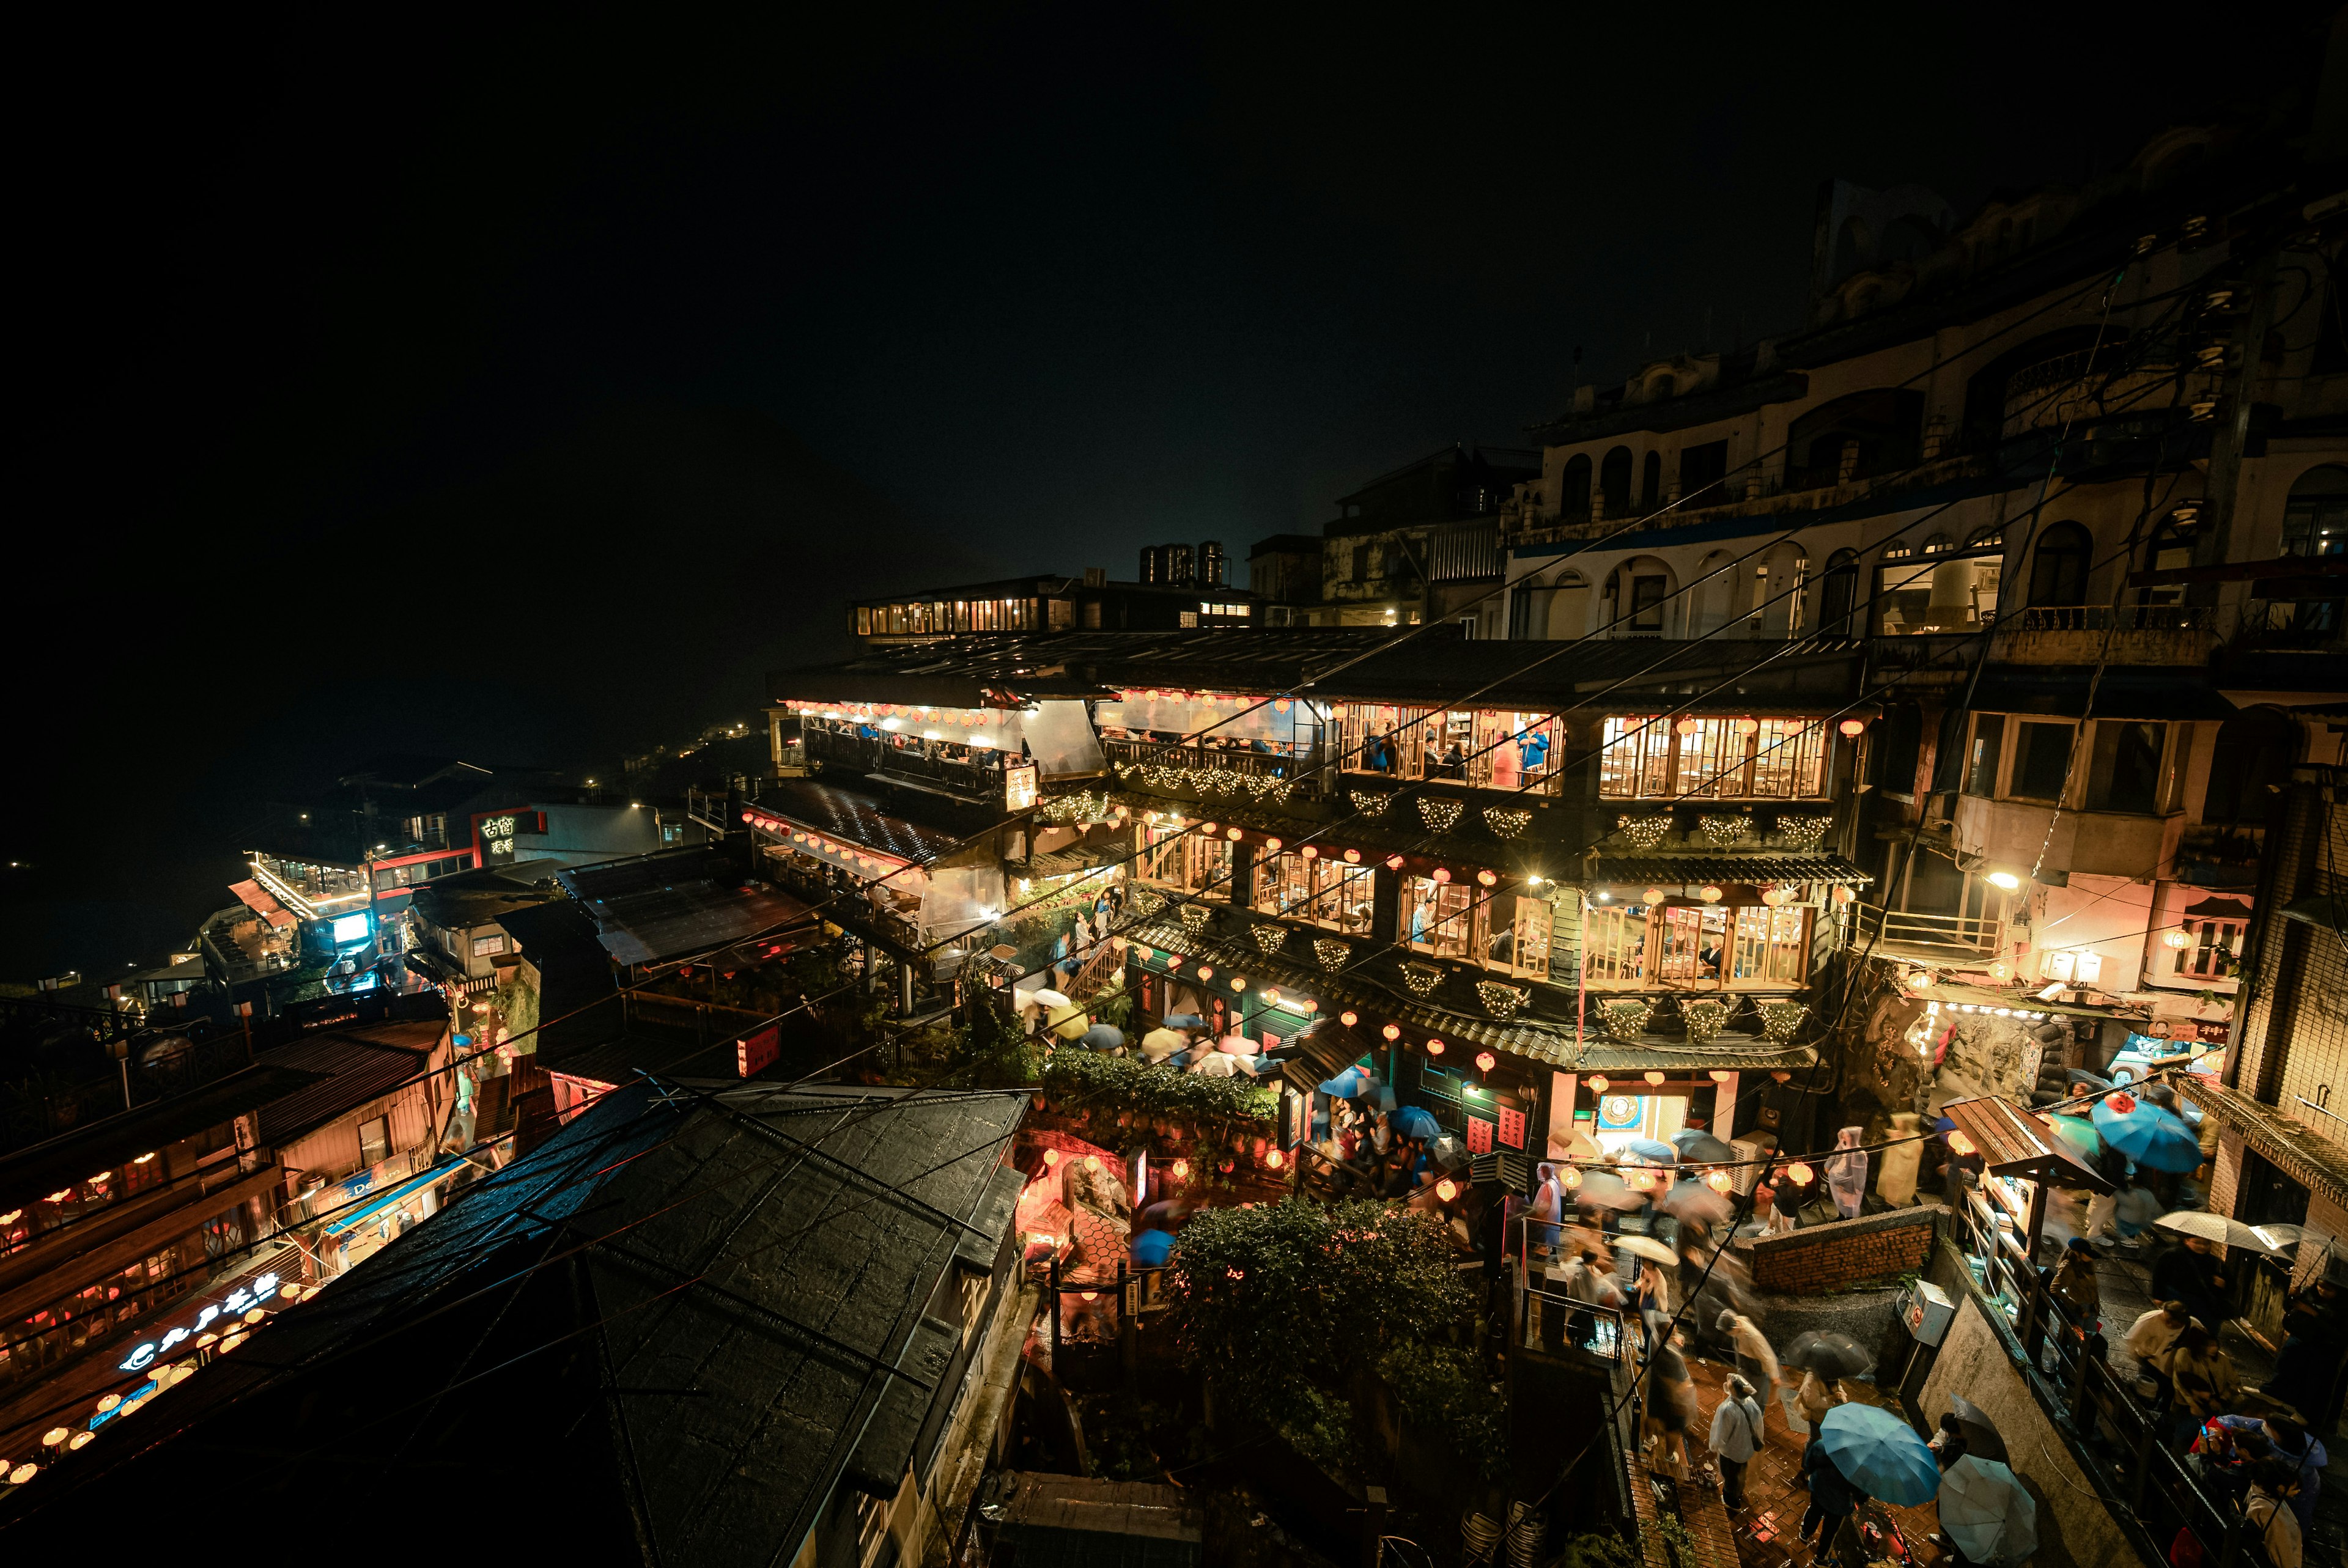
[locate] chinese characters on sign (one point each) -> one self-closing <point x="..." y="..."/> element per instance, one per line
<point x="1018" y="785"/>
<point x="755" y="1051"/>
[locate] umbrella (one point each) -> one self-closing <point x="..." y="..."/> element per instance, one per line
<point x="1693" y="1201"/>
<point x="1702" y="1148"/>
<point x="2281" y="1235"/>
<point x="1650" y="1149"/>
<point x="2214" y="1227"/>
<point x="1353" y="1084"/>
<point x="2082" y="1078"/>
<point x="1151" y="1249"/>
<point x="1829" y="1354"/>
<point x="2080" y="1134"/>
<point x="2145" y="1133"/>
<point x="1646" y="1247"/>
<point x="1981" y="1436"/>
<point x="1416" y="1121"/>
<point x="1103" y="1037"/>
<point x="1986" y="1511"/>
<point x="1605" y="1190"/>
<point x="1184" y="1021"/>
<point x="1878" y="1452"/>
<point x="1047" y="997"/>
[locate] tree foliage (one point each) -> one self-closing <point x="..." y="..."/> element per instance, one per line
<point x="1282" y="1307"/>
<point x="1089" y="1081"/>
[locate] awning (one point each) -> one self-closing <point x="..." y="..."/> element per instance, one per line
<point x="1329" y="1047"/>
<point x="1750" y="870"/>
<point x="249" y="892"/>
<point x="2061" y="691"/>
<point x="2016" y="1143"/>
<point x="2325" y="910"/>
<point x="406" y="1189"/>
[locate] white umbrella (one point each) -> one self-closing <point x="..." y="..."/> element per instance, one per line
<point x="1048" y="996"/>
<point x="2214" y="1227"/>
<point x="1646" y="1247"/>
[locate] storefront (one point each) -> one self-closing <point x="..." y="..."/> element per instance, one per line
<point x="2004" y="1217"/>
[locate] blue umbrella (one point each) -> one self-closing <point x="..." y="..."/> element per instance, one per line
<point x="1416" y="1121"/>
<point x="1695" y="1144"/>
<point x="1152" y="1248"/>
<point x="1986" y="1512"/>
<point x="1353" y="1084"/>
<point x="1185" y="1020"/>
<point x="1878" y="1453"/>
<point x="1649" y="1149"/>
<point x="2147" y="1134"/>
<point x="2080" y="1134"/>
<point x="1102" y="1037"/>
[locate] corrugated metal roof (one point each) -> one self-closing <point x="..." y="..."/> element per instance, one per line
<point x="858" y="818"/>
<point x="651" y="908"/>
<point x="2012" y="1140"/>
<point x="1757" y="868"/>
<point x="359" y="1064"/>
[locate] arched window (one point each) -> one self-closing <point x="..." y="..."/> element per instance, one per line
<point x="1573" y="489"/>
<point x="1614" y="481"/>
<point x="1839" y="595"/>
<point x="2255" y="750"/>
<point x="1938" y="544"/>
<point x="2058" y="566"/>
<point x="1651" y="489"/>
<point x="2315" y="518"/>
<point x="1988" y="537"/>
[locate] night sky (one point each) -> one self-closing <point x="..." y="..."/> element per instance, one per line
<point x="524" y="389"/>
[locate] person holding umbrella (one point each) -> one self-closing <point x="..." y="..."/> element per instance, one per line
<point x="1756" y="1358"/>
<point x="1833" y="1498"/>
<point x="2190" y="1273"/>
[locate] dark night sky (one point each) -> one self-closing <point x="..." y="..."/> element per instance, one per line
<point x="524" y="389"/>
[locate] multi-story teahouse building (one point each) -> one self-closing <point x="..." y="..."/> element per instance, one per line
<point x="1578" y="907"/>
<point x="2073" y="474"/>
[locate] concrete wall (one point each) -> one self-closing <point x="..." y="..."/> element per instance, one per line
<point x="2074" y="1529"/>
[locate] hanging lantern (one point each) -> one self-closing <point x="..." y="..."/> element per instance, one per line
<point x="2001" y="971"/>
<point x="1958" y="1143"/>
<point x="2177" y="941"/>
<point x="1748" y="726"/>
<point x="1598" y="1085"/>
<point x="1394" y="862"/>
<point x="1799" y="1173"/>
<point x="1487" y="878"/>
<point x="1275" y="1159"/>
<point x="1051" y="1156"/>
<point x="1718" y="1182"/>
<point x="1173" y="960"/>
<point x="1920" y="981"/>
<point x="1643" y="1181"/>
<point x="1271" y="996"/>
<point x="1239" y="982"/>
<point x="1205" y="827"/>
<point x="1392" y="1031"/>
<point x="1434" y="1047"/>
<point x="1349" y="1017"/>
<point x="1652" y="1076"/>
<point x="1442" y="873"/>
<point x="1687" y="726"/>
<point x="1486" y="1061"/>
<point x="746" y="816"/>
<point x="1309" y="1005"/>
<point x="1311" y="851"/>
<point x="1720" y="1075"/>
<point x="1271" y="846"/>
<point x="1232" y="833"/>
<point x="1352" y="858"/>
<point x="1446" y="1189"/>
<point x="1206" y="971"/>
<point x="1651" y="895"/>
<point x="1852" y="728"/>
<point x="1710" y="894"/>
<point x="1181" y="1169"/>
<point x="1844" y="896"/>
<point x="1572" y="1177"/>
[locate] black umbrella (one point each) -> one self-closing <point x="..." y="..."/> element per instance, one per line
<point x="1698" y="1147"/>
<point x="1981" y="1440"/>
<point x="1829" y="1354"/>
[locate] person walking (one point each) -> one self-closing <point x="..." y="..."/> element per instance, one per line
<point x="2190" y="1273"/>
<point x="1736" y="1438"/>
<point x="1817" y="1396"/>
<point x="1757" y="1359"/>
<point x="1670" y="1403"/>
<point x="1833" y="1498"/>
<point x="1846" y="1172"/>
<point x="1654" y="1299"/>
<point x="2075" y="1284"/>
<point x="2201" y="1375"/>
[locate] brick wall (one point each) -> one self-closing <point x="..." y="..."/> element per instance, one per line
<point x="2225" y="1171"/>
<point x="1873" y="1249"/>
<point x="2326" y="1218"/>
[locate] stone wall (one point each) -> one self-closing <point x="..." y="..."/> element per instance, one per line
<point x="2074" y="1529"/>
<point x="1829" y="1259"/>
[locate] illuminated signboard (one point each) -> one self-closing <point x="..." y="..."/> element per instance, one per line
<point x="348" y="928"/>
<point x="1018" y="785"/>
<point x="755" y="1051"/>
<point x="494" y="831"/>
<point x="243" y="1299"/>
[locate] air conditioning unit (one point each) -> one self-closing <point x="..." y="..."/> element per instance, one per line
<point x="1745" y="1175"/>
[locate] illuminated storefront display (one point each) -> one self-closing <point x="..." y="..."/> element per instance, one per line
<point x="234" y="1305"/>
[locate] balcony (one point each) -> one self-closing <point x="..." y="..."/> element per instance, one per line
<point x="1939" y="939"/>
<point x="2092" y="634"/>
<point x="2090" y="843"/>
<point x="1214" y="769"/>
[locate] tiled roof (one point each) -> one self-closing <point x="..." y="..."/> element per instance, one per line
<point x="673" y="902"/>
<point x="858" y="818"/>
<point x="361" y="1064"/>
<point x="2307" y="1157"/>
<point x="1537" y="1033"/>
<point x="1686" y="869"/>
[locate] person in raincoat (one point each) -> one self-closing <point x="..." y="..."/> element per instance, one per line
<point x="2134" y="1208"/>
<point x="1846" y="1172"/>
<point x="1896" y="1183"/>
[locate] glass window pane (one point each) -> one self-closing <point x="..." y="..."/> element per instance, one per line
<point x="2042" y="759"/>
<point x="1981" y="763"/>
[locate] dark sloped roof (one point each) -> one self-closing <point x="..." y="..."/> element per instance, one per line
<point x="1679" y="870"/>
<point x="354" y="1066"/>
<point x="856" y="817"/>
<point x="695" y="1319"/>
<point x="105" y="1145"/>
<point x="650" y="908"/>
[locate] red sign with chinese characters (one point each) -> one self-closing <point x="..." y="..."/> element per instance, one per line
<point x="1479" y="1135"/>
<point x="755" y="1053"/>
<point x="1512" y="1127"/>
